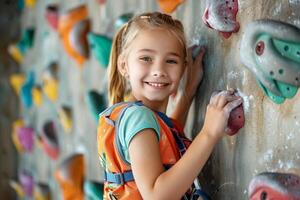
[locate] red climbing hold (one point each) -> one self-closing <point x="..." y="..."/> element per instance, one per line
<point x="52" y="16"/>
<point x="236" y="120"/>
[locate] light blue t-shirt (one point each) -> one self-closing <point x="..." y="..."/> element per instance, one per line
<point x="135" y="119"/>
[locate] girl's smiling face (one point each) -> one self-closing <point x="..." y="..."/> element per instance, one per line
<point x="154" y="66"/>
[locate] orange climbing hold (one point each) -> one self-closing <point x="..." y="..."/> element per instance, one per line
<point x="168" y="6"/>
<point x="73" y="28"/>
<point x="70" y="177"/>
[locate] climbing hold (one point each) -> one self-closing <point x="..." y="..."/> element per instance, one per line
<point x="236" y="120"/>
<point x="121" y="20"/>
<point x="93" y="190"/>
<point x="49" y="140"/>
<point x="65" y="116"/>
<point x="16" y="81"/>
<point x="52" y="15"/>
<point x="221" y="16"/>
<point x="50" y="82"/>
<point x="26" y="90"/>
<point x="100" y="47"/>
<point x="73" y="28"/>
<point x="70" y="176"/>
<point x="18" y="188"/>
<point x="41" y="192"/>
<point x="20" y="5"/>
<point x="269" y="49"/>
<point x="37" y="95"/>
<point x="25" y="135"/>
<point x="15" y="138"/>
<point x="96" y="103"/>
<point x="169" y="6"/>
<point x="23" y="188"/>
<point x="101" y="2"/>
<point x="18" y="50"/>
<point x="30" y="3"/>
<point x="27" y="182"/>
<point x="272" y="185"/>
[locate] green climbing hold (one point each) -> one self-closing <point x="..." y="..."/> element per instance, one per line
<point x="122" y="20"/>
<point x="288" y="49"/>
<point x="93" y="190"/>
<point x="287" y="90"/>
<point x="96" y="103"/>
<point x="101" y="47"/>
<point x="273" y="97"/>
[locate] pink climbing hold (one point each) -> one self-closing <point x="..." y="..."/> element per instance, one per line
<point x="101" y="2"/>
<point x="272" y="185"/>
<point x="236" y="120"/>
<point x="49" y="140"/>
<point x="52" y="16"/>
<point x="221" y="16"/>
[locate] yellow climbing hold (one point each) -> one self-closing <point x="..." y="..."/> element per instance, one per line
<point x="16" y="125"/>
<point x="30" y="3"/>
<point x="50" y="88"/>
<point x="17" y="81"/>
<point x="14" y="51"/>
<point x="37" y="95"/>
<point x="18" y="188"/>
<point x="65" y="116"/>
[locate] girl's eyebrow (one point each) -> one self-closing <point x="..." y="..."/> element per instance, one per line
<point x="153" y="51"/>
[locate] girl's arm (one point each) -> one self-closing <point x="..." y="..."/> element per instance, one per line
<point x="194" y="74"/>
<point x="151" y="178"/>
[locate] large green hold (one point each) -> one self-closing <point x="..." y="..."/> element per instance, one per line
<point x="93" y="190"/>
<point x="271" y="50"/>
<point x="101" y="47"/>
<point x="96" y="103"/>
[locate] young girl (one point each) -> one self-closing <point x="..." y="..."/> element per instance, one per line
<point x="143" y="151"/>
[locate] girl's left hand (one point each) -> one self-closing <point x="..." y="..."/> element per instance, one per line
<point x="194" y="70"/>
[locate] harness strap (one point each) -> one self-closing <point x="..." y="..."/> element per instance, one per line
<point x="122" y="178"/>
<point x="118" y="178"/>
<point x="179" y="141"/>
<point x="200" y="193"/>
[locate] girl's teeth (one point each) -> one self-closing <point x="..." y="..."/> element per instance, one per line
<point x="157" y="84"/>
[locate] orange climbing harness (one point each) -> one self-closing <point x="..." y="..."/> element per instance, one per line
<point x="119" y="180"/>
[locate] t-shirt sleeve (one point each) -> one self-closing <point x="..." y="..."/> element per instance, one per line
<point x="135" y="119"/>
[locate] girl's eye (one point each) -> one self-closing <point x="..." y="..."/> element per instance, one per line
<point x="172" y="61"/>
<point x="146" y="59"/>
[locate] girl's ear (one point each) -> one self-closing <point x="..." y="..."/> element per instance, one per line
<point x="122" y="66"/>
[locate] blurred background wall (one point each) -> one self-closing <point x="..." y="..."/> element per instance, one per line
<point x="268" y="142"/>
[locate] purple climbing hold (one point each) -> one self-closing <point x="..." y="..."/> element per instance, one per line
<point x="26" y="138"/>
<point x="27" y="183"/>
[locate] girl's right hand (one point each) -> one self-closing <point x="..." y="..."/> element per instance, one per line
<point x="218" y="111"/>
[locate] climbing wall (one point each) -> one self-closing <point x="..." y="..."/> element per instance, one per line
<point x="68" y="81"/>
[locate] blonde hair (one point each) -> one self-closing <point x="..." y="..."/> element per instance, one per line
<point x="123" y="39"/>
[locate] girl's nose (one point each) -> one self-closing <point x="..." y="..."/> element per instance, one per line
<point x="158" y="73"/>
<point x="158" y="70"/>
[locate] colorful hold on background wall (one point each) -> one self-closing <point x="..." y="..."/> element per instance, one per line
<point x="268" y="48"/>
